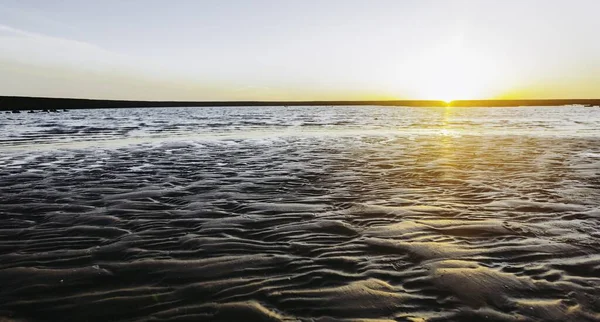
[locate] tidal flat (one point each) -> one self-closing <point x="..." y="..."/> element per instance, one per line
<point x="301" y="214"/>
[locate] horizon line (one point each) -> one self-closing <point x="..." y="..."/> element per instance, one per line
<point x="36" y="102"/>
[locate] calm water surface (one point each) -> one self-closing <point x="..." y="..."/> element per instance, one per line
<point x="127" y="126"/>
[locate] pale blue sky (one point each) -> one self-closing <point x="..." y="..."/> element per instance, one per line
<point x="285" y="49"/>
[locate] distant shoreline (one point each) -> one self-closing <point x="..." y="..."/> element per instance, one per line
<point x="8" y="103"/>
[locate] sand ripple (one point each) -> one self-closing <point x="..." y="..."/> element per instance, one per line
<point x="444" y="228"/>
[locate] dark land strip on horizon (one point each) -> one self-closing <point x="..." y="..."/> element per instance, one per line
<point x="9" y="103"/>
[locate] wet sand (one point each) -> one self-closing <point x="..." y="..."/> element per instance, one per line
<point x="426" y="228"/>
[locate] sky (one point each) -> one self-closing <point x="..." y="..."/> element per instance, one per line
<point x="300" y="49"/>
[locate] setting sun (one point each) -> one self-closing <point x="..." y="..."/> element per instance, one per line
<point x="451" y="72"/>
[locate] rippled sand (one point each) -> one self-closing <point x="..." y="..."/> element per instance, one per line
<point x="319" y="228"/>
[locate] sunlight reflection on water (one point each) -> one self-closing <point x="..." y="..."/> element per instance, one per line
<point x="79" y="128"/>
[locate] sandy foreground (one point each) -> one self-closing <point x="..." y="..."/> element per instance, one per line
<point x="426" y="228"/>
<point x="454" y="229"/>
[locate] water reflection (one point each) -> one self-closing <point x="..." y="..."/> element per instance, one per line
<point x="138" y="125"/>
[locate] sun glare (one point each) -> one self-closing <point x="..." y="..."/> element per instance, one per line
<point x="452" y="72"/>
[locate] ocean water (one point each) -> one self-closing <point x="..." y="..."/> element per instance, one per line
<point x="301" y="214"/>
<point x="130" y="126"/>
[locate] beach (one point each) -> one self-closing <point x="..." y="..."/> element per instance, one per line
<point x="301" y="214"/>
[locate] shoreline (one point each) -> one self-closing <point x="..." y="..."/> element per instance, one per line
<point x="20" y="103"/>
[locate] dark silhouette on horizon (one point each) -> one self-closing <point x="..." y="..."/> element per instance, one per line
<point x="19" y="103"/>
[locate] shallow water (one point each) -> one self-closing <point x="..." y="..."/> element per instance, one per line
<point x="303" y="213"/>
